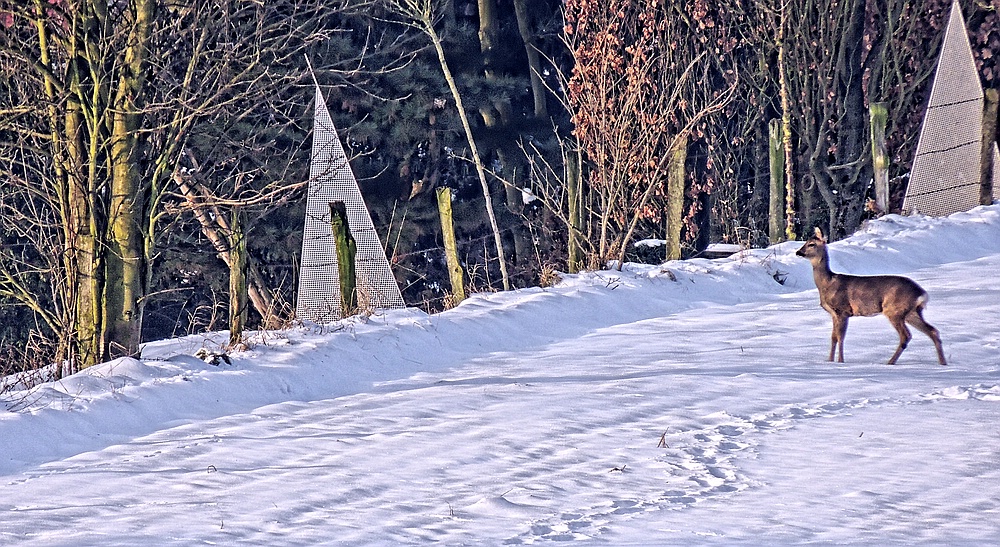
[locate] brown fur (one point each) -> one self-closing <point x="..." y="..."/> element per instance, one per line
<point x="899" y="298"/>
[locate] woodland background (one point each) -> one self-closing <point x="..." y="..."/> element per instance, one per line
<point x="142" y="140"/>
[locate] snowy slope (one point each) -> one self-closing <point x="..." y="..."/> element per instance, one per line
<point x="675" y="404"/>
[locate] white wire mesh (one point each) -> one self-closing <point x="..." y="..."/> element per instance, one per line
<point x="945" y="175"/>
<point x="331" y="179"/>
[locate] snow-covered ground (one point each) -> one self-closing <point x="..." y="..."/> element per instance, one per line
<point x="687" y="403"/>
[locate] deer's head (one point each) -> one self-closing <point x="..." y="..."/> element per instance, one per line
<point x="815" y="246"/>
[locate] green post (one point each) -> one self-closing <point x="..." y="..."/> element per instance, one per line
<point x="450" y="246"/>
<point x="776" y="205"/>
<point x="878" y="116"/>
<point x="574" y="185"/>
<point x="346" y="251"/>
<point x="991" y="101"/>
<point x="675" y="198"/>
<point x="237" y="280"/>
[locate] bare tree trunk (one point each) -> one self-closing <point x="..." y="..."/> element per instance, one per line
<point x="499" y="118"/>
<point x="488" y="34"/>
<point x="125" y="288"/>
<point x="852" y="168"/>
<point x="829" y="104"/>
<point x="84" y="267"/>
<point x="534" y="60"/>
<point x="80" y="141"/>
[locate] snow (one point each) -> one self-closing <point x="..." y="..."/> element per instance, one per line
<point x="687" y="403"/>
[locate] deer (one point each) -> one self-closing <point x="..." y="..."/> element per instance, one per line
<point x="899" y="298"/>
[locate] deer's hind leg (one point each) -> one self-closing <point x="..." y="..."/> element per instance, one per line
<point x="899" y="323"/>
<point x="916" y="318"/>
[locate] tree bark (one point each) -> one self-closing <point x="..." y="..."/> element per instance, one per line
<point x="83" y="229"/>
<point x="125" y="289"/>
<point x="851" y="161"/>
<point x="81" y="140"/>
<point x="499" y="118"/>
<point x="534" y="60"/>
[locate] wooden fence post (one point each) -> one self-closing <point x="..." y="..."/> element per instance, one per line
<point x="878" y="116"/>
<point x="776" y="205"/>
<point x="450" y="246"/>
<point x="237" y="280"/>
<point x="675" y="198"/>
<point x="991" y="100"/>
<point x="346" y="251"/>
<point x="574" y="185"/>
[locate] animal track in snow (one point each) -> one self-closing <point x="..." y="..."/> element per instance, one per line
<point x="703" y="463"/>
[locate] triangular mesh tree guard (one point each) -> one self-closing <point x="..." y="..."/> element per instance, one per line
<point x="945" y="175"/>
<point x="331" y="179"/>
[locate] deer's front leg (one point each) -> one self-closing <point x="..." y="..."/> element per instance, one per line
<point x="837" y="337"/>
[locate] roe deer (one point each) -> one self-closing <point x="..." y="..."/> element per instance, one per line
<point x="900" y="299"/>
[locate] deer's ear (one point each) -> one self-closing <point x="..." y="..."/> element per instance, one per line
<point x="819" y="233"/>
